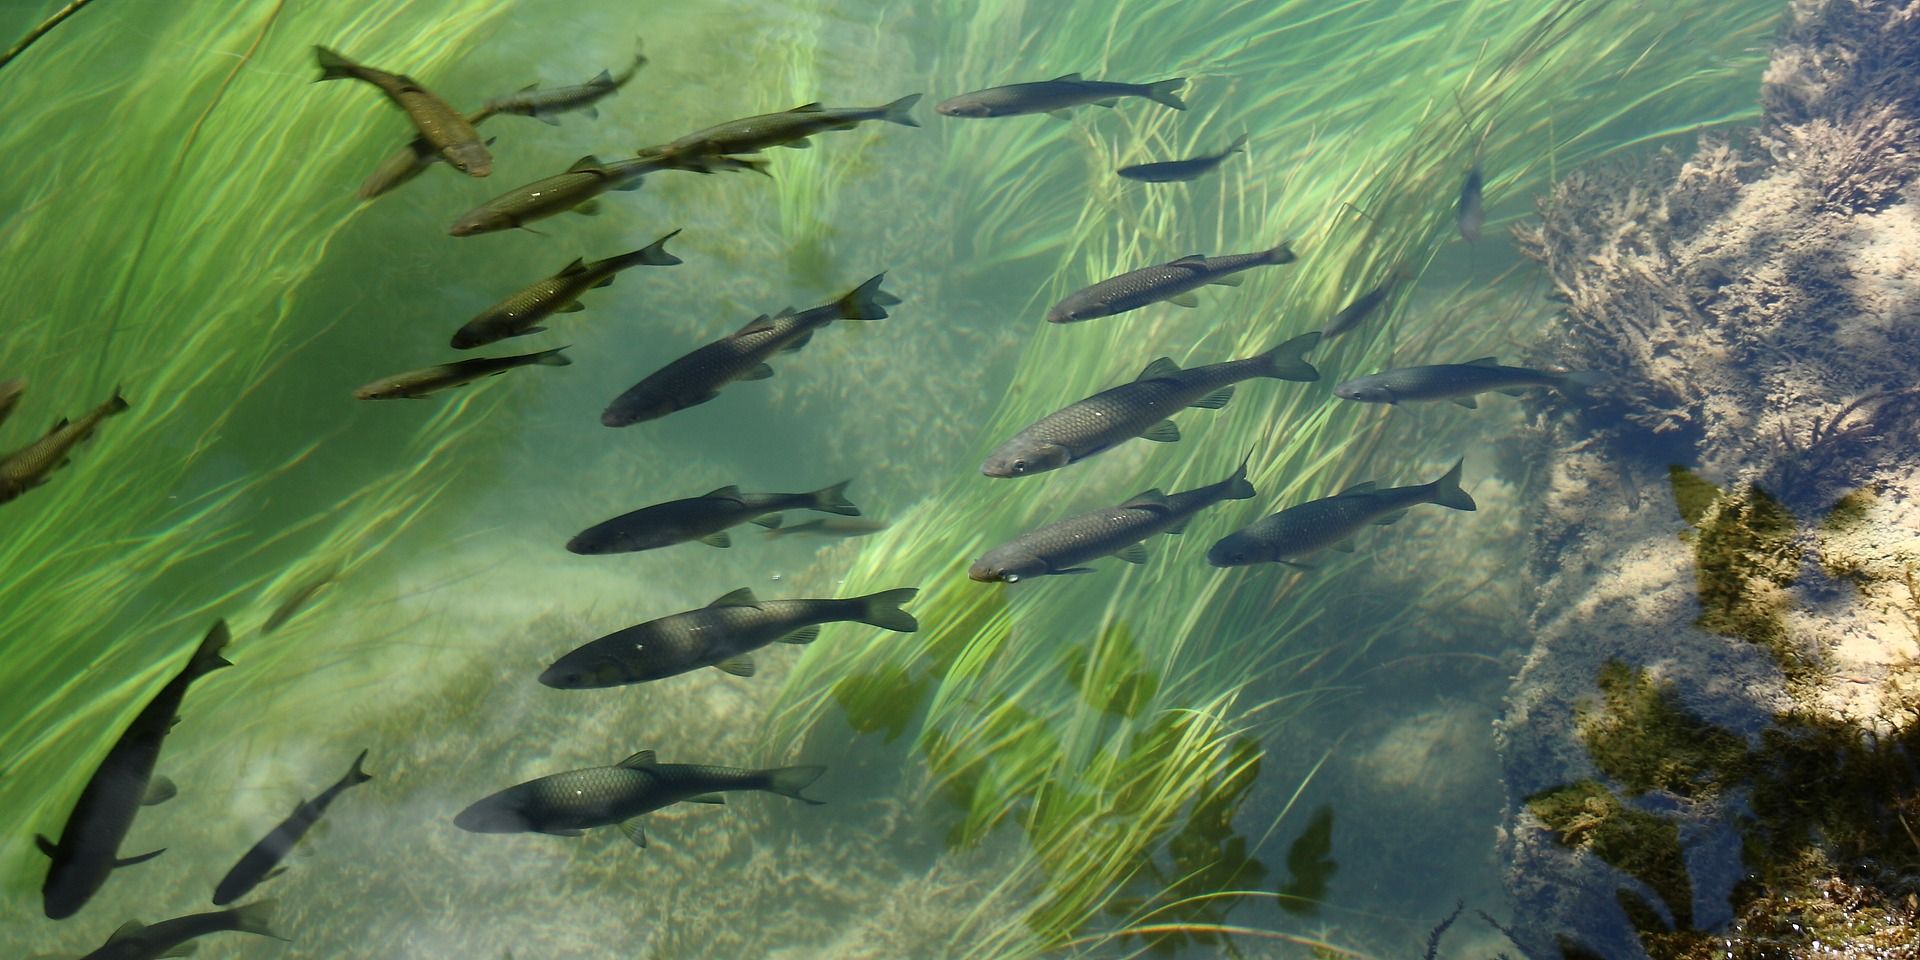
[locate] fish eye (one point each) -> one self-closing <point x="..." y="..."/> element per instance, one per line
<point x="1019" y="466"/>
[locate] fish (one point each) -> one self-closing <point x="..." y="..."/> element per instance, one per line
<point x="1470" y="214"/>
<point x="566" y="804"/>
<point x="1140" y="409"/>
<point x="1171" y="281"/>
<point x="418" y="384"/>
<point x="1063" y="546"/>
<point x="575" y="189"/>
<point x="297" y="600"/>
<point x="546" y="105"/>
<point x="698" y="377"/>
<point x="408" y="162"/>
<point x="1362" y="306"/>
<point x="446" y="129"/>
<point x="88" y="850"/>
<point x="704" y="518"/>
<point x="10" y="393"/>
<point x="1458" y="382"/>
<point x="31" y="465"/>
<point x="828" y="527"/>
<point x="261" y="862"/>
<point x="1170" y="171"/>
<point x="1054" y="96"/>
<point x="523" y="312"/>
<point x="1332" y="521"/>
<point x="169" y="938"/>
<point x="788" y="128"/>
<point x="723" y="634"/>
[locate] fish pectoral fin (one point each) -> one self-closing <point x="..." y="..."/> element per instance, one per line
<point x="742" y="597"/>
<point x="1344" y="546"/>
<point x="1059" y="114"/>
<point x="639" y="761"/>
<point x="804" y="635"/>
<point x="740" y="665"/>
<point x="1230" y="280"/>
<point x="1483" y="362"/>
<point x="589" y="208"/>
<point x="719" y="539"/>
<point x="1159" y="369"/>
<point x="1214" y="400"/>
<point x="634" y="833"/>
<point x="758" y="372"/>
<point x="1466" y="402"/>
<point x="1133" y="553"/>
<point x="159" y="791"/>
<point x="1162" y="432"/>
<point x="1390" y="518"/>
<point x="771" y="521"/>
<point x="707" y="798"/>
<point x="44" y="845"/>
<point x="1184" y="300"/>
<point x="143" y="858"/>
<point x="574" y="307"/>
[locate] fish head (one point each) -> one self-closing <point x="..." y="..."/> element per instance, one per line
<point x="577" y="671"/>
<point x="1365" y="390"/>
<point x="1236" y="550"/>
<point x="480" y="221"/>
<point x="67" y="889"/>
<point x="1002" y="566"/>
<point x="1021" y="459"/>
<point x="1076" y="309"/>
<point x="965" y="105"/>
<point x="499" y="813"/>
<point x="471" y="159"/>
<point x="376" y="391"/>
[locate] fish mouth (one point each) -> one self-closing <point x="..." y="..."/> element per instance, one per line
<point x="465" y="228"/>
<point x="996" y="471"/>
<point x="980" y="574"/>
<point x="484" y="817"/>
<point x="1060" y="316"/>
<point x="582" y="546"/>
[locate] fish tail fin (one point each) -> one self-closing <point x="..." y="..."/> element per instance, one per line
<point x="866" y="301"/>
<point x="1447" y="492"/>
<point x="834" y="500"/>
<point x="789" y="781"/>
<point x="256" y="918"/>
<point x="1163" y="91"/>
<point x="206" y="657"/>
<point x="883" y="610"/>
<point x="901" y="111"/>
<point x="333" y="66"/>
<point x="1574" y="384"/>
<point x="1288" y="360"/>
<point x="1237" y="486"/>
<point x="358" y="775"/>
<point x="553" y="358"/>
<point x="1282" y="252"/>
<point x="655" y="253"/>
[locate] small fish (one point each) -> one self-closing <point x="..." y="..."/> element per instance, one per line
<point x="1061" y="547"/>
<point x="1471" y="214"/>
<point x="1054" y="96"/>
<point x="296" y="601"/>
<point x="721" y="634"/>
<point x="843" y="527"/>
<point x="10" y="392"/>
<point x="704" y="518"/>
<point x="408" y="162"/>
<point x="1332" y="521"/>
<point x="1171" y="281"/>
<point x="697" y="377"/>
<point x="1362" y="307"/>
<point x="575" y="189"/>
<point x="1170" y="171"/>
<point x="1458" y="382"/>
<point x="418" y="384"/>
<point x="89" y="843"/>
<point x="788" y="128"/>
<point x="169" y="938"/>
<point x="262" y="862"/>
<point x="446" y="129"/>
<point x="565" y="804"/>
<point x="547" y="105"/>
<point x="30" y="466"/>
<point x="1140" y="409"/>
<point x="521" y="314"/>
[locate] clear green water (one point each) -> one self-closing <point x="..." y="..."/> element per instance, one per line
<point x="179" y="219"/>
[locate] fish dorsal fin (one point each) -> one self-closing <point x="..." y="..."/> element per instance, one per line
<point x="1191" y="258"/>
<point x="1367" y="486"/>
<point x="604" y="78"/>
<point x="1068" y="76"/>
<point x="131" y="928"/>
<point x="1159" y="369"/>
<point x="1483" y="362"/>
<point x="58" y="425"/>
<point x="1154" y="499"/>
<point x="759" y="324"/>
<point x="742" y="597"/>
<point x="640" y="761"/>
<point x="579" y="265"/>
<point x="588" y="162"/>
<point x="529" y="88"/>
<point x="810" y="107"/>
<point x="728" y="492"/>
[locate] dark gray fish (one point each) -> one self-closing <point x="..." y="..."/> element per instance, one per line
<point x="576" y="188"/>
<point x="10" y="392"/>
<point x="1458" y="382"/>
<point x="262" y="862"/>
<point x="1169" y="281"/>
<point x="842" y="527"/>
<point x="788" y="128"/>
<point x="1063" y="546"/>
<point x="1471" y="214"/>
<point x="446" y="129"/>
<point x="721" y="634"/>
<point x="31" y="465"/>
<point x="522" y="313"/>
<point x="1332" y="521"/>
<point x="742" y="355"/>
<point x="419" y="384"/>
<point x="704" y="518"/>
<point x="408" y="162"/>
<point x="565" y="804"/>
<point x="1056" y="95"/>
<point x="168" y="938"/>
<point x="1140" y="409"/>
<point x="296" y="601"/>
<point x="547" y="105"/>
<point x="1362" y="307"/>
<point x="89" y="843"/>
<point x="1170" y="171"/>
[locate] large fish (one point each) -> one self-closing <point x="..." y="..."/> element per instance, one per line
<point x="1193" y="168"/>
<point x="1470" y="213"/>
<point x="1056" y="95"/>
<point x="704" y="518"/>
<point x="576" y="189"/>
<point x="446" y="129"/>
<point x="742" y="355"/>
<point x="1458" y="382"/>
<point x="262" y="861"/>
<point x="409" y="162"/>
<point x="1362" y="306"/>
<point x="10" y="392"/>
<point x="522" y="313"/>
<point x="169" y="938"/>
<point x="565" y="804"/>
<point x="1172" y="281"/>
<point x="547" y="105"/>
<point x="721" y="634"/>
<point x="1140" y="409"/>
<point x="1332" y="521"/>
<point x="421" y="383"/>
<point x="788" y="128"/>
<point x="31" y="465"/>
<point x="1065" y="545"/>
<point x="90" y="842"/>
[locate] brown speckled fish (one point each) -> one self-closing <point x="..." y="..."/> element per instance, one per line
<point x="439" y="124"/>
<point x="522" y="313"/>
<point x="31" y="465"/>
<point x="419" y="384"/>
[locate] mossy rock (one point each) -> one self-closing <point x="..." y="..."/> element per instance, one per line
<point x="1642" y="737"/>
<point x="1646" y="846"/>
